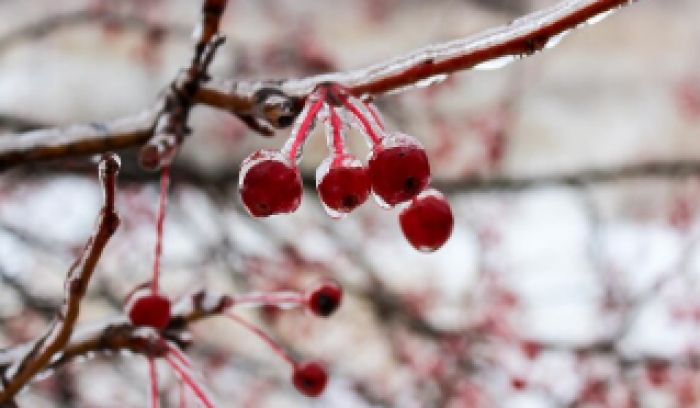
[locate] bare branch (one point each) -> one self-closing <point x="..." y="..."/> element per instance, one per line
<point x="52" y="23"/>
<point x="77" y="279"/>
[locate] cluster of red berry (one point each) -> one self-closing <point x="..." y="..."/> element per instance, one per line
<point x="144" y="307"/>
<point x="397" y="171"/>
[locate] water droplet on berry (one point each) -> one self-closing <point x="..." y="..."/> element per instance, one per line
<point x="398" y="169"/>
<point x="268" y="184"/>
<point x="343" y="184"/>
<point x="427" y="221"/>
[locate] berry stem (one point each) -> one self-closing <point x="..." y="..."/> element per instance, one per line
<point x="280" y="299"/>
<point x="375" y="114"/>
<point x="336" y="125"/>
<point x="183" y="395"/>
<point x="153" y="376"/>
<point x="305" y="127"/>
<point x="160" y="218"/>
<point x="363" y="120"/>
<point x="179" y="355"/>
<point x="263" y="336"/>
<point x="189" y="381"/>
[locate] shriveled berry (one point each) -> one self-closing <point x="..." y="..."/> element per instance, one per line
<point x="145" y="308"/>
<point x="343" y="184"/>
<point x="398" y="168"/>
<point x="427" y="221"/>
<point x="324" y="299"/>
<point x="268" y="184"/>
<point x="310" y="378"/>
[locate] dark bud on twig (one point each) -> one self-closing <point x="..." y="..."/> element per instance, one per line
<point x="159" y="151"/>
<point x="272" y="105"/>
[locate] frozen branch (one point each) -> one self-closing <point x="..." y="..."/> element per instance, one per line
<point x="119" y="334"/>
<point x="266" y="105"/>
<point x="520" y="38"/>
<point x="53" y="341"/>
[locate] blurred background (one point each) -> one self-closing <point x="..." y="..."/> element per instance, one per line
<point x="571" y="278"/>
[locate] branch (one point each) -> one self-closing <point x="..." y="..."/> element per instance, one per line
<point x="77" y="140"/>
<point x="53" y="341"/>
<point x="118" y="334"/>
<point x="49" y="24"/>
<point x="266" y="105"/>
<point x="171" y="127"/>
<point x="522" y="37"/>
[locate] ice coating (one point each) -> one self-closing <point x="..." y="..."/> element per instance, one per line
<point x="366" y="120"/>
<point x="269" y="184"/>
<point x="343" y="184"/>
<point x="398" y="169"/>
<point x="427" y="221"/>
<point x="463" y="53"/>
<point x="304" y="124"/>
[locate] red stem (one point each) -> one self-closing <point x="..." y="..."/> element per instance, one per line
<point x="336" y="125"/>
<point x="187" y="379"/>
<point x="303" y="132"/>
<point x="160" y="218"/>
<point x="179" y="355"/>
<point x="183" y="395"/>
<point x="153" y="375"/>
<point x="365" y="123"/>
<point x="375" y="115"/>
<point x="268" y="299"/>
<point x="263" y="336"/>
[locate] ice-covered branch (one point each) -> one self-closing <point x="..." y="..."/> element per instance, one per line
<point x="39" y="355"/>
<point x="266" y="105"/>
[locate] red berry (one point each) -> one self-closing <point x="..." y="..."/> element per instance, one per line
<point x="145" y="308"/>
<point x="343" y="184"/>
<point x="518" y="383"/>
<point x="268" y="184"/>
<point x="427" y="221"/>
<point x="398" y="169"/>
<point x="658" y="373"/>
<point x="310" y="378"/>
<point x="324" y="299"/>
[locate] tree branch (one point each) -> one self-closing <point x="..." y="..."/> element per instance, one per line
<point x="265" y="105"/>
<point x="77" y="279"/>
<point x="52" y="23"/>
<point x="119" y="334"/>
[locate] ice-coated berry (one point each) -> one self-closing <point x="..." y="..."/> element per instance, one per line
<point x="324" y="299"/>
<point x="398" y="169"/>
<point x="268" y="184"/>
<point x="427" y="221"/>
<point x="343" y="184"/>
<point x="310" y="378"/>
<point x="145" y="308"/>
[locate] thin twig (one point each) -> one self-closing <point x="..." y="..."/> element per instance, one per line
<point x="77" y="280"/>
